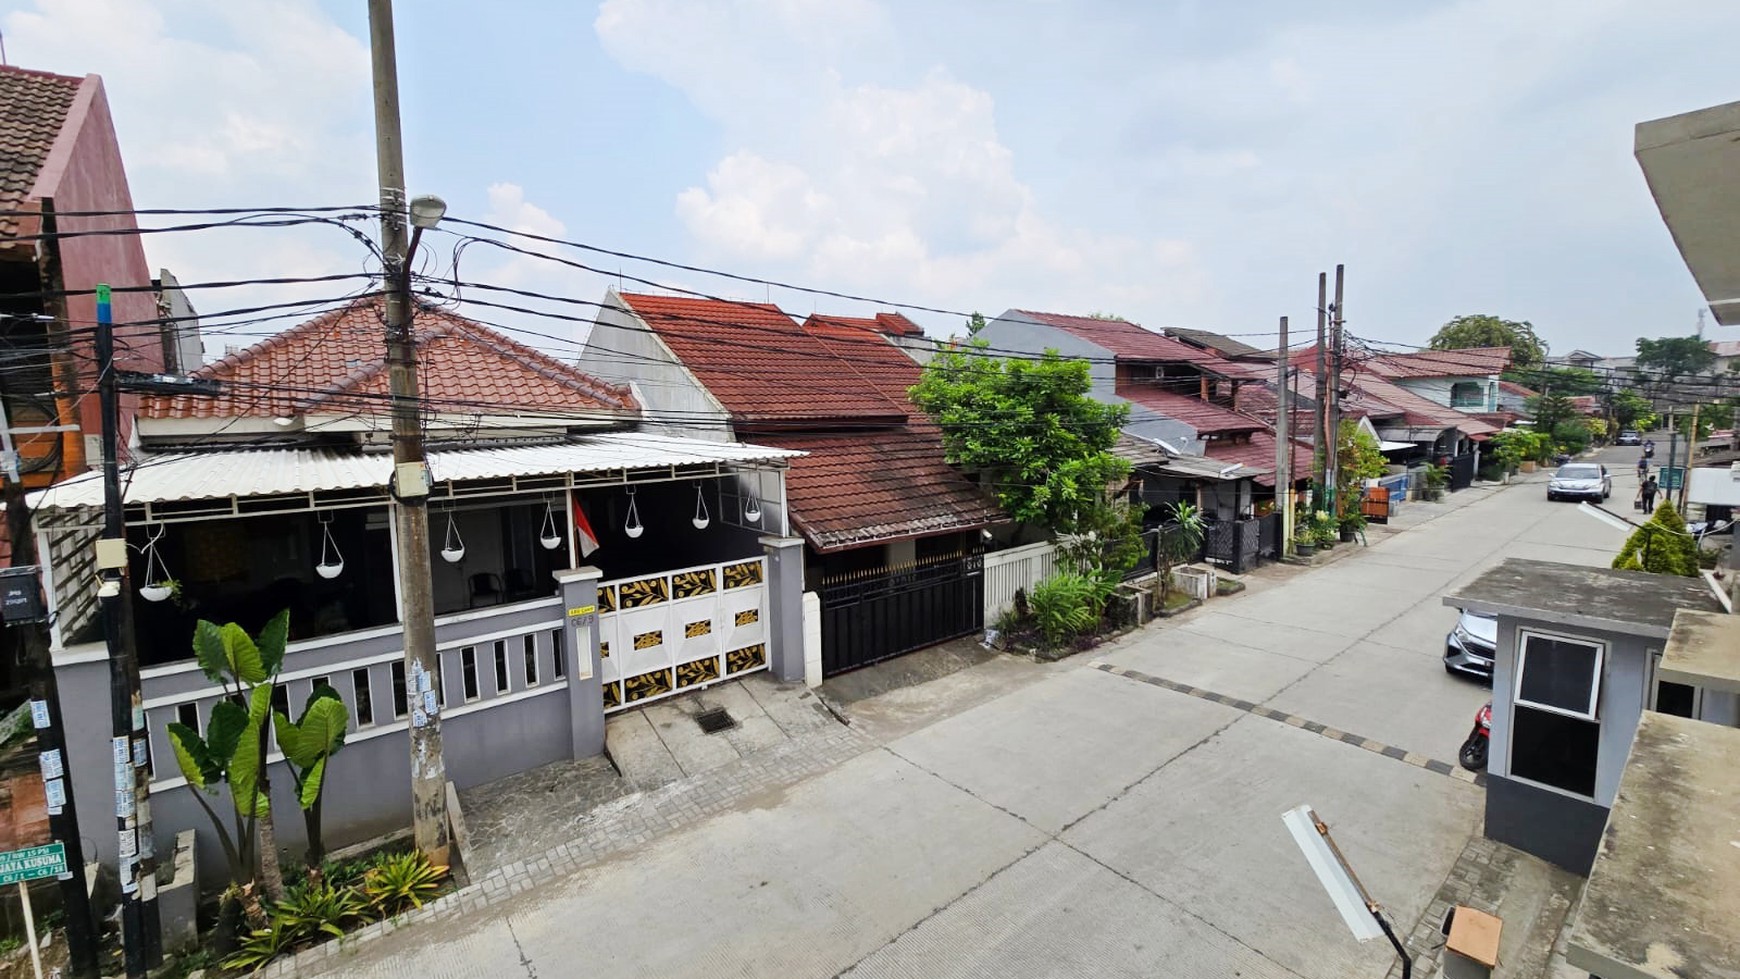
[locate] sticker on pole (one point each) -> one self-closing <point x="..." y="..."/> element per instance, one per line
<point x="50" y="763"/>
<point x="54" y="795"/>
<point x="39" y="714"/>
<point x="18" y="866"/>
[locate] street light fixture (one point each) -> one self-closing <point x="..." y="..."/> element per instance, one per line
<point x="427" y="211"/>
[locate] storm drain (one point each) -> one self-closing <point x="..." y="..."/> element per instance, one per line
<point x="715" y="719"/>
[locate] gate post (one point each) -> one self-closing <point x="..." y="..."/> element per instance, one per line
<point x="785" y="607"/>
<point x="580" y="647"/>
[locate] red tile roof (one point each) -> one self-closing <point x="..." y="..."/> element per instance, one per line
<point x="335" y="364"/>
<point x="1126" y="340"/>
<point x="892" y="324"/>
<point x="1516" y="390"/>
<point x="860" y="488"/>
<point x="33" y="108"/>
<point x="1206" y="417"/>
<point x="760" y="364"/>
<point x="1414" y="408"/>
<point x="1468" y="362"/>
<point x="1258" y="452"/>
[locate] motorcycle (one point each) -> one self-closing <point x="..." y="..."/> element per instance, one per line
<point x="1473" y="753"/>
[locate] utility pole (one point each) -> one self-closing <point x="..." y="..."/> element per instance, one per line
<point x="1283" y="450"/>
<point x="1320" y="451"/>
<point x="410" y="469"/>
<point x="63" y="815"/>
<point x="1691" y="453"/>
<point x="129" y="746"/>
<point x="1333" y="446"/>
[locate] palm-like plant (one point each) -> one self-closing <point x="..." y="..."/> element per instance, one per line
<point x="307" y="744"/>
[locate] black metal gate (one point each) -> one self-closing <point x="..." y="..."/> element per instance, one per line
<point x="871" y="616"/>
<point x="1269" y="537"/>
<point x="1233" y="543"/>
<point x="1462" y="471"/>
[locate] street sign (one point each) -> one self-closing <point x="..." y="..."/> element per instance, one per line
<point x="19" y="866"/>
<point x="1671" y="477"/>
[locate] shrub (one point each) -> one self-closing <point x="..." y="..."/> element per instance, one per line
<point x="1065" y="606"/>
<point x="319" y="906"/>
<point x="1660" y="546"/>
<point x="1324" y="528"/>
<point x="261" y="946"/>
<point x="401" y="880"/>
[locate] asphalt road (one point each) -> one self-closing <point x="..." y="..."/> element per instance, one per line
<point x="1098" y="822"/>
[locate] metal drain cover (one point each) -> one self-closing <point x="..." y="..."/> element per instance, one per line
<point x="715" y="719"/>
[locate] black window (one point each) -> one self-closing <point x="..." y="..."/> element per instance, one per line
<point x="1678" y="699"/>
<point x="1554" y="749"/>
<point x="1559" y="674"/>
<point x="531" y="652"/>
<point x="361" y="696"/>
<point x="400" y="705"/>
<point x="468" y="671"/>
<point x="188" y="714"/>
<point x="281" y="699"/>
<point x="501" y="666"/>
<point x="561" y="659"/>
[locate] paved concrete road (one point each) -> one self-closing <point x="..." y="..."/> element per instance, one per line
<point x="1117" y="818"/>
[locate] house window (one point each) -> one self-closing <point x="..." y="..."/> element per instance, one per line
<point x="281" y="698"/>
<point x="501" y="667"/>
<point x="362" y="697"/>
<point x="188" y="714"/>
<point x="468" y="671"/>
<point x="1555" y="738"/>
<point x="556" y="653"/>
<point x="1468" y="394"/>
<point x="400" y="706"/>
<point x="531" y="648"/>
<point x="317" y="683"/>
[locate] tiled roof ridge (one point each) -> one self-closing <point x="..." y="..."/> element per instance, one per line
<point x="545" y="365"/>
<point x="231" y="362"/>
<point x="43" y="73"/>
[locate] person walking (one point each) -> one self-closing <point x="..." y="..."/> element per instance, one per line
<point x="1649" y="489"/>
<point x="1642" y="469"/>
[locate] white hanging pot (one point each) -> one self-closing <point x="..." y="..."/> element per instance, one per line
<point x="550" y="542"/>
<point x="453" y="555"/>
<point x="632" y="526"/>
<point x="752" y="511"/>
<point x="701" y="518"/>
<point x="552" y="534"/>
<point x="452" y="545"/>
<point x="156" y="593"/>
<point x="329" y="571"/>
<point x="331" y="558"/>
<point x="161" y="586"/>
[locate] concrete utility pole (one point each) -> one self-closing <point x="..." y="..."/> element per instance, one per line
<point x="1337" y="352"/>
<point x="1320" y="455"/>
<point x="410" y="487"/>
<point x="1691" y="454"/>
<point x="1283" y="449"/>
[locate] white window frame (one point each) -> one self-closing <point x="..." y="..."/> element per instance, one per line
<point x="1522" y="651"/>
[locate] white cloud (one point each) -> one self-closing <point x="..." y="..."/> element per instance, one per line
<point x="901" y="188"/>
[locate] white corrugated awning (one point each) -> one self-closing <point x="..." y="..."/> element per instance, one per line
<point x="243" y="473"/>
<point x="1387" y="446"/>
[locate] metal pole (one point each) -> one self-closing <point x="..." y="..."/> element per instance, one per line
<point x="410" y="470"/>
<point x="63" y="819"/>
<point x="1333" y="476"/>
<point x="30" y="928"/>
<point x="1283" y="450"/>
<point x="1691" y="453"/>
<point x="1389" y="933"/>
<point x="127" y="709"/>
<point x="1319" y="453"/>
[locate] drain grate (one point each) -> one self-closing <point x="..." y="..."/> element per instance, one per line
<point x="715" y="719"/>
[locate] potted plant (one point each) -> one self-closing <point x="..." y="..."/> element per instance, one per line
<point x="1324" y="530"/>
<point x="1304" y="544"/>
<point x="1351" y="525"/>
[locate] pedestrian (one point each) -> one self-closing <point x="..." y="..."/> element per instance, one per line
<point x="1650" y="488"/>
<point x="1642" y="469"/>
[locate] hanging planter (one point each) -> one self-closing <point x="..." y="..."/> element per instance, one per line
<point x="331" y="559"/>
<point x="158" y="584"/>
<point x="551" y="534"/>
<point x="752" y="510"/>
<point x="632" y="526"/>
<point x="702" y="518"/>
<point x="452" y="545"/>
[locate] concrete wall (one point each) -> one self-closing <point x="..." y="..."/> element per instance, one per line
<point x="623" y="349"/>
<point x="1016" y="333"/>
<point x="1556" y="827"/>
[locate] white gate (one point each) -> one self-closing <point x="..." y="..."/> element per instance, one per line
<point x="1012" y="569"/>
<point x="665" y="633"/>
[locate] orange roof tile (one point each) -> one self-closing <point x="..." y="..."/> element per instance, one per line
<point x="335" y="363"/>
<point x="1206" y="417"/>
<point x="33" y="108"/>
<point x="1126" y="340"/>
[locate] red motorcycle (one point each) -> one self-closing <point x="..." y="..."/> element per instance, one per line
<point x="1473" y="753"/>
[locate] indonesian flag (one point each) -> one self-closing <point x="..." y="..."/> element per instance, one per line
<point x="588" y="537"/>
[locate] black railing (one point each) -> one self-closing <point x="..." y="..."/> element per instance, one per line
<point x="871" y="616"/>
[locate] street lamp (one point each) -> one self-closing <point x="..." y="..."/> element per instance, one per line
<point x="426" y="213"/>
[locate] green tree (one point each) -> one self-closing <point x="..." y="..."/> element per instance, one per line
<point x="1570" y="381"/>
<point x="1551" y="409"/>
<point x="975" y="323"/>
<point x="1675" y="357"/>
<point x="1660" y="546"/>
<point x="1358" y="457"/>
<point x="1481" y="330"/>
<point x="1515" y="446"/>
<point x="1631" y="410"/>
<point x="1028" y="429"/>
<point x="307" y="744"/>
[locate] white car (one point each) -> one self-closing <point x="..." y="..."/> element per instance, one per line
<point x="1581" y="481"/>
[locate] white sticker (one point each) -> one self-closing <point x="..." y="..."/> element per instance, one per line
<point x="54" y="793"/>
<point x="129" y="845"/>
<point x="424" y="680"/>
<point x="39" y="714"/>
<point x="430" y="705"/>
<point x="51" y="765"/>
<point x="138" y="717"/>
<point x="141" y="753"/>
<point x="418" y="718"/>
<point x="121" y="751"/>
<point x="124" y="802"/>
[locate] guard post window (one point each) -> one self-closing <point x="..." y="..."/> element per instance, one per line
<point x="1555" y="730"/>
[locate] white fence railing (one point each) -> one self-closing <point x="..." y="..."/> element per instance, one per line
<point x="1015" y="568"/>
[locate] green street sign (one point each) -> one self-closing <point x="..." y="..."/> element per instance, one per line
<point x="19" y="866"/>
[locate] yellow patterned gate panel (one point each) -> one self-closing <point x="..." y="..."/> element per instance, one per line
<point x="662" y="634"/>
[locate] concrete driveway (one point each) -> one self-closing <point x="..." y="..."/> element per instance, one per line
<point x="1119" y="817"/>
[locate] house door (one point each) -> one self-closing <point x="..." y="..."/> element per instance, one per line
<point x="870" y="616"/>
<point x="663" y="634"/>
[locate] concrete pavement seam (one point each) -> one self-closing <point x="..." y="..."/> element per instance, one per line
<point x="1371" y="745"/>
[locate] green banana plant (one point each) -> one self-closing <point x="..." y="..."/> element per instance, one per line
<point x="233" y="751"/>
<point x="307" y="744"/>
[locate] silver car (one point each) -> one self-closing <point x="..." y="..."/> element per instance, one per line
<point x="1581" y="481"/>
<point x="1470" y="647"/>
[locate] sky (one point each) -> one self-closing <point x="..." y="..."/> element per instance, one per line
<point x="1178" y="163"/>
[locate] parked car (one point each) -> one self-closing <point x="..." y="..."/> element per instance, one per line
<point x="1581" y="481"/>
<point x="1629" y="438"/>
<point x="1470" y="647"/>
